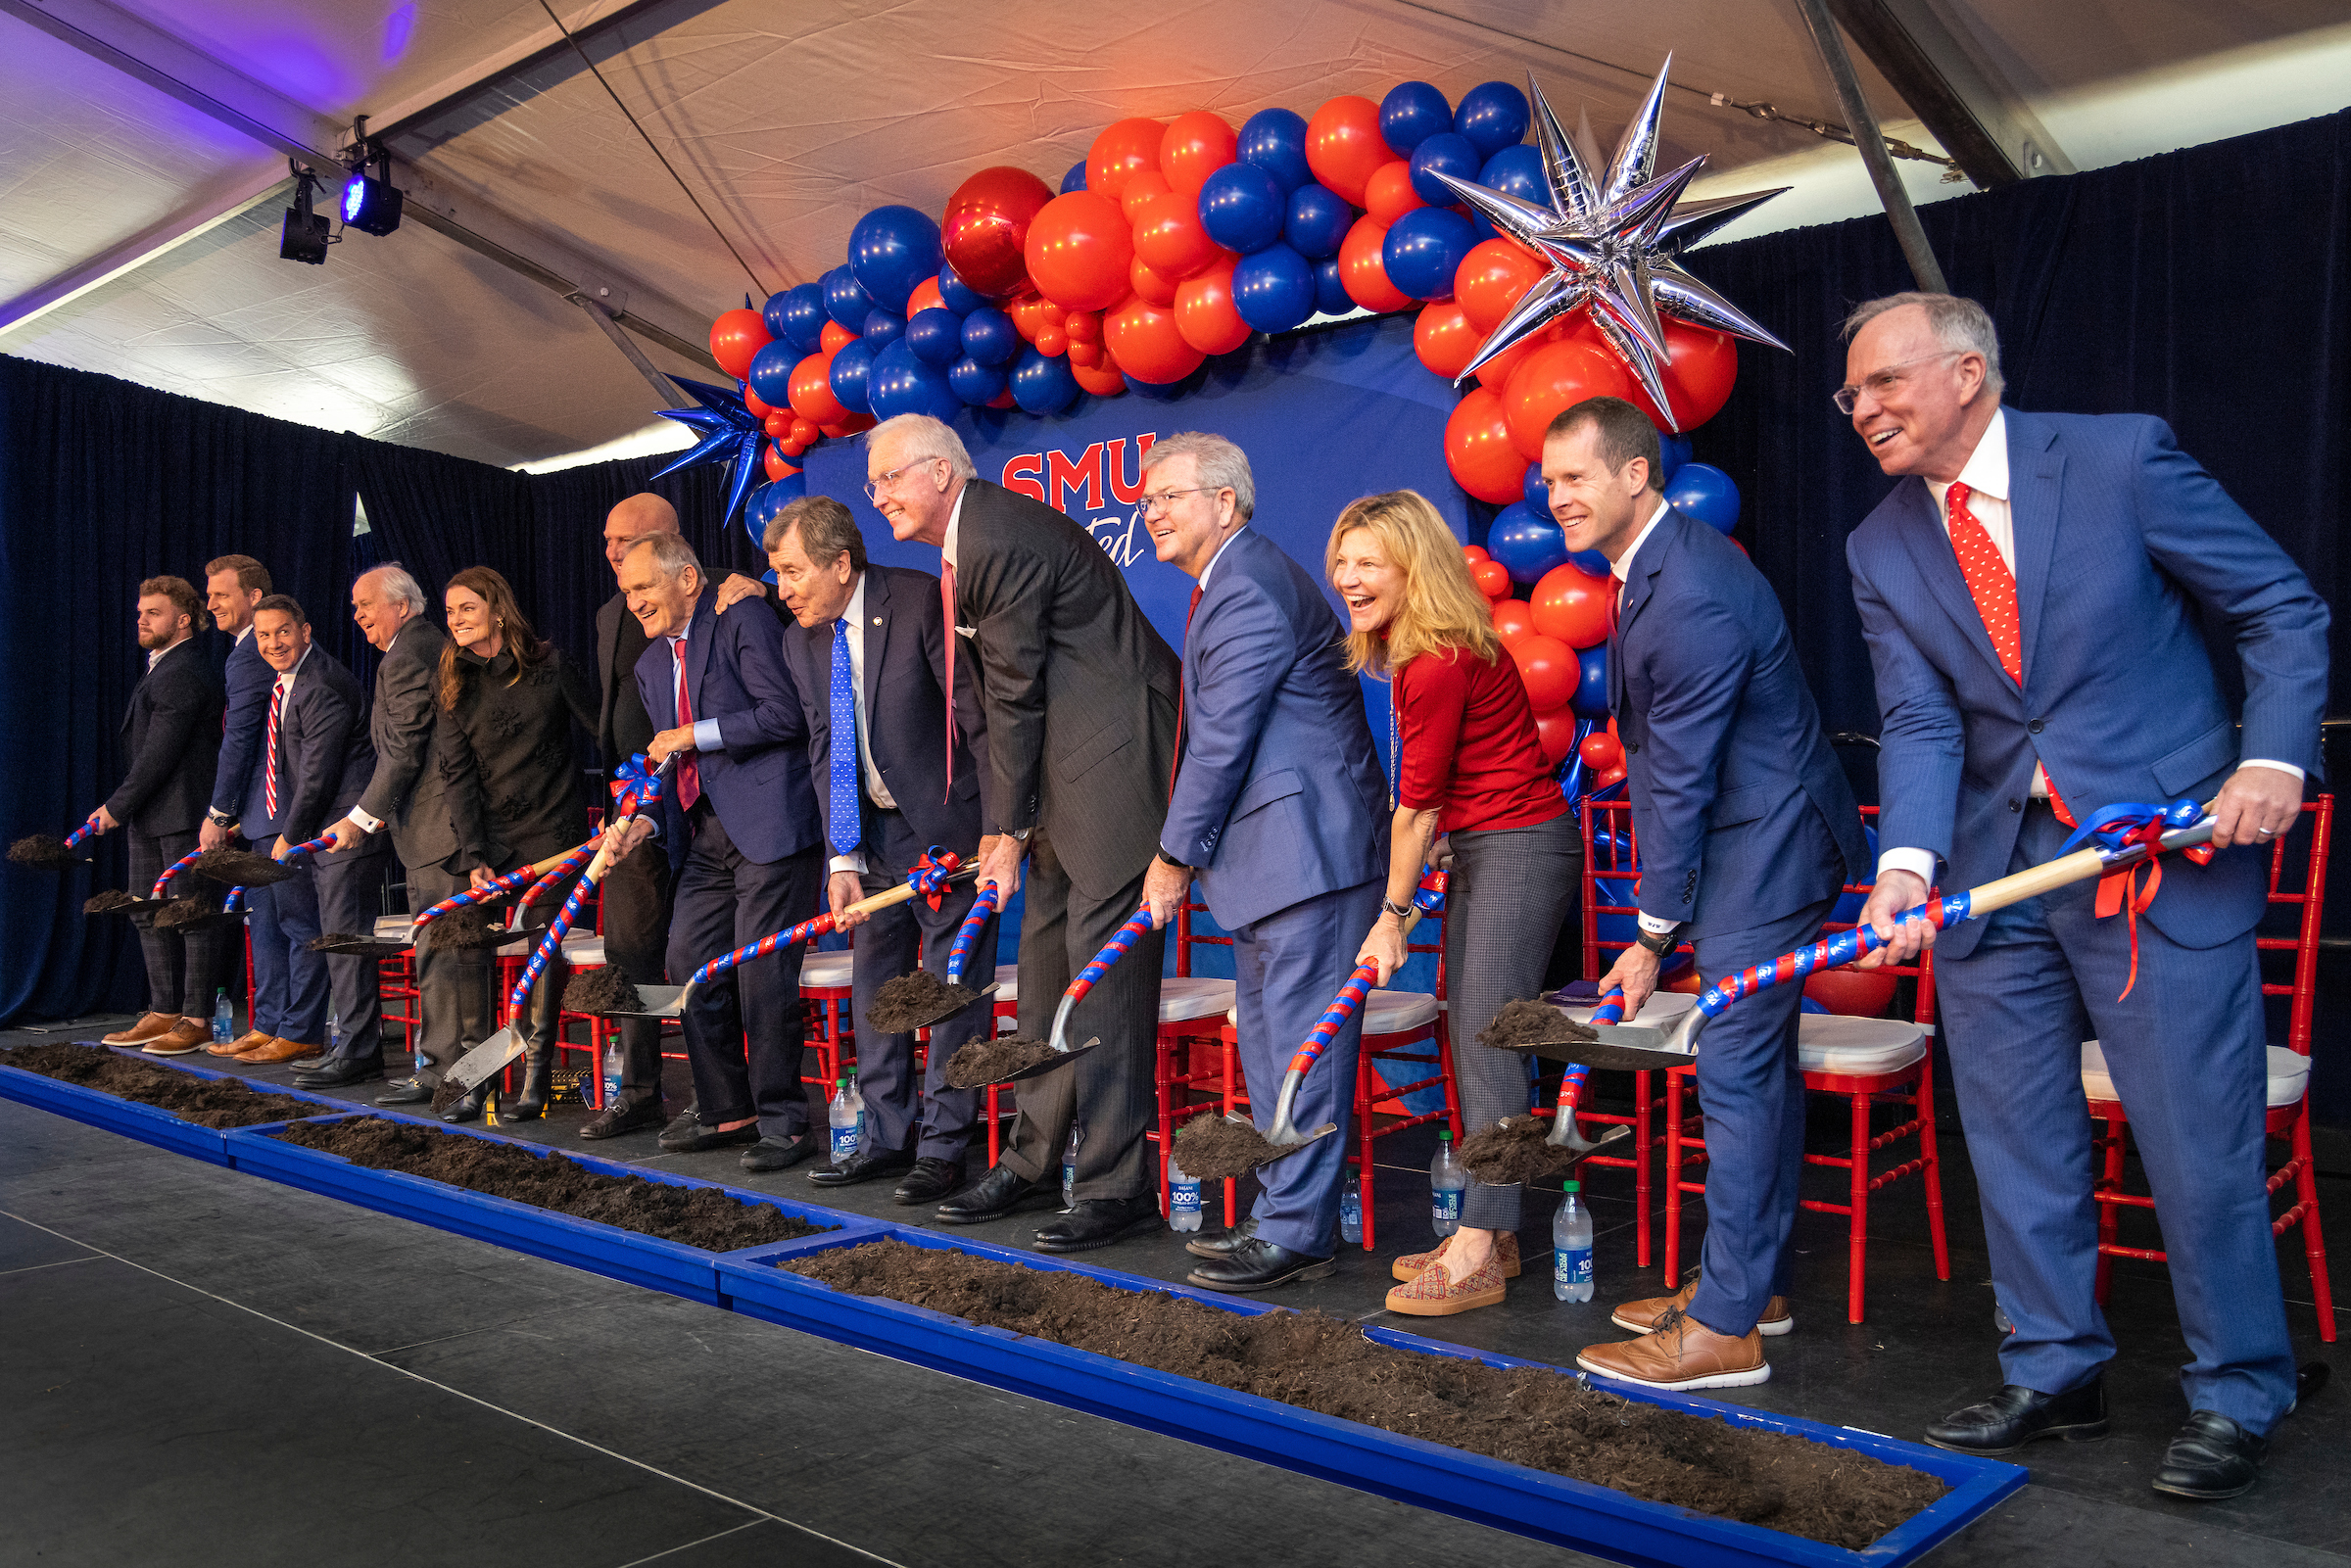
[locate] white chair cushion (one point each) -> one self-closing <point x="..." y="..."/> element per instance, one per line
<point x="1857" y="1048"/>
<point x="571" y="946"/>
<point x="1662" y="1006"/>
<point x="2289" y="1076"/>
<point x="1183" y="997"/>
<point x="394" y="928"/>
<point x="1398" y="1012"/>
<point x="1008" y="984"/>
<point x="826" y="971"/>
<point x="584" y="954"/>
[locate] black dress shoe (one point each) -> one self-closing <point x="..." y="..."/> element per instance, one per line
<point x="781" y="1154"/>
<point x="621" y="1117"/>
<point x="468" y="1107"/>
<point x="2212" y="1456"/>
<point x="998" y="1194"/>
<point x="1222" y="1242"/>
<point x="2016" y="1415"/>
<point x="406" y="1091"/>
<point x="1254" y="1265"/>
<point x="340" y="1072"/>
<point x="930" y="1180"/>
<point x="863" y="1167"/>
<point x="1099" y="1222"/>
<point x="690" y="1134"/>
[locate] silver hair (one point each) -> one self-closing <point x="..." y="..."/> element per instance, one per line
<point x="670" y="553"/>
<point x="926" y="438"/>
<point x="399" y="585"/>
<point x="1960" y="325"/>
<point x="1221" y="465"/>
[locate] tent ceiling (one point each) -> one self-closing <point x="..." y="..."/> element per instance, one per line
<point x="788" y="121"/>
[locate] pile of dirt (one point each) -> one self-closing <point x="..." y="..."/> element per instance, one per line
<point x="992" y="1060"/>
<point x="466" y="926"/>
<point x="911" y="1002"/>
<point x="1523" y="1022"/>
<point x="601" y="989"/>
<point x="1514" y="1150"/>
<point x="240" y="867"/>
<point x="695" y="1217"/>
<point x="207" y="1102"/>
<point x="1543" y="1420"/>
<point x="107" y="902"/>
<point x="352" y="944"/>
<point x="1209" y="1148"/>
<point x="191" y="914"/>
<point x="40" y="852"/>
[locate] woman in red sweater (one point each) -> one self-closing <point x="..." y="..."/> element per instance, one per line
<point x="1469" y="770"/>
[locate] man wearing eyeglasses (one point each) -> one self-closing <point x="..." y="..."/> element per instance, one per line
<point x="1080" y="698"/>
<point x="2031" y="592"/>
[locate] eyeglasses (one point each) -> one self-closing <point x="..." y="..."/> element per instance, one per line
<point x="1878" y="383"/>
<point x="874" y="487"/>
<point x="1160" y="500"/>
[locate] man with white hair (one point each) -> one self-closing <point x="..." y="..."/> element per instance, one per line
<point x="1079" y="694"/>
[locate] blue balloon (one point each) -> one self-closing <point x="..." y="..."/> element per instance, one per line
<point x="1674" y="451"/>
<point x="975" y="383"/>
<point x="1242" y="207"/>
<point x="935" y="334"/>
<point x="1274" y="140"/>
<point x="1591" y="699"/>
<point x="1041" y="384"/>
<point x="1330" y="289"/>
<point x="1517" y="170"/>
<point x="852" y="362"/>
<point x="1537" y="493"/>
<point x="771" y="373"/>
<point x="881" y="328"/>
<point x="957" y="294"/>
<point x="1526" y="541"/>
<point x="1446" y="152"/>
<point x="1317" y="222"/>
<point x="1705" y="493"/>
<point x="892" y="251"/>
<point x="1410" y="113"/>
<point x="1590" y="562"/>
<point x="1075" y="180"/>
<point x="797" y="317"/>
<point x="1424" y="249"/>
<point x="903" y="381"/>
<point x="1274" y="289"/>
<point x="845" y="299"/>
<point x="989" y="337"/>
<point x="1493" y="114"/>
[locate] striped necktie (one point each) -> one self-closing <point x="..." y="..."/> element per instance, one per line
<point x="277" y="697"/>
<point x="842" y="712"/>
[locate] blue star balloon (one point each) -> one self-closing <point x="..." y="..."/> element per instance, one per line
<point x="730" y="434"/>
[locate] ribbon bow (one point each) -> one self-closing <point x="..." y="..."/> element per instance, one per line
<point x="929" y="878"/>
<point x="635" y="785"/>
<point x="1430" y="899"/>
<point x="2119" y="827"/>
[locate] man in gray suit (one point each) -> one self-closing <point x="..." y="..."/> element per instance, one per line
<point x="407" y="795"/>
<point x="1079" y="694"/>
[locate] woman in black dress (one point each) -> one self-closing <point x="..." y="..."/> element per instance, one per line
<point x="508" y="757"/>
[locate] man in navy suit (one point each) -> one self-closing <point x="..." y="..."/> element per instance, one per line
<point x="1748" y="831"/>
<point x="869" y="655"/>
<point x="232" y="585"/>
<point x="722" y="701"/>
<point x="2025" y="590"/>
<point x="1280" y="811"/>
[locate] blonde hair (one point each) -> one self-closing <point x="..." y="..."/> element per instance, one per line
<point x="1442" y="607"/>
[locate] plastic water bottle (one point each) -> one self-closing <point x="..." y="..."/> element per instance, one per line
<point x="224" y="1017"/>
<point x="1351" y="1208"/>
<point x="1571" y="1249"/>
<point x="847" y="1119"/>
<point x="1447" y="1177"/>
<point x="1183" y="1193"/>
<point x="334" y="1033"/>
<point x="1069" y="1165"/>
<point x="612" y="1073"/>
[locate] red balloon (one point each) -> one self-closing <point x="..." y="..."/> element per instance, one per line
<point x="850" y="424"/>
<point x="792" y="449"/>
<point x="1602" y="780"/>
<point x="1082" y="326"/>
<point x="1444" y="339"/>
<point x="1148" y="345"/>
<point x="1085" y="353"/>
<point x="1363" y="271"/>
<point x="1496" y="372"/>
<point x="812" y="392"/>
<point x="1702" y="365"/>
<point x="736" y="339"/>
<point x="986" y="226"/>
<point x="1475" y="552"/>
<point x="1142" y="186"/>
<point x="1512" y="620"/>
<point x="1550" y="669"/>
<point x="778" y="425"/>
<point x="1856" y="993"/>
<point x="1078" y="250"/>
<point x="925" y="297"/>
<point x="1149" y="285"/>
<point x="1572" y="605"/>
<point x="1479" y="454"/>
<point x="1205" y="313"/>
<point x="804" y="432"/>
<point x="1052" y="341"/>
<point x="1388" y="194"/>
<point x="1493" y="277"/>
<point x="1195" y="146"/>
<point x="1169" y="239"/>
<point x="1343" y="145"/>
<point x="1493" y="580"/>
<point x="836" y="335"/>
<point x="759" y="407"/>
<point x="775" y="463"/>
<point x="1601" y="751"/>
<point x="1123" y="147"/>
<point x="1028" y="315"/>
<point x="1554" y="378"/>
<point x="1101" y="378"/>
<point x="1555" y="732"/>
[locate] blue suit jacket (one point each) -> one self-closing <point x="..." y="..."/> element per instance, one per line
<point x="735" y="673"/>
<point x="1723" y="745"/>
<point x="906" y="710"/>
<point x="1278" y="795"/>
<point x="2117" y="532"/>
<point x="324" y="757"/>
<point x="248" y="676"/>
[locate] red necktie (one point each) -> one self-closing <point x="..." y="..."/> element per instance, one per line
<point x="947" y="609"/>
<point x="1188" y="612"/>
<point x="1994" y="587"/>
<point x="690" y="775"/>
<point x="277" y="693"/>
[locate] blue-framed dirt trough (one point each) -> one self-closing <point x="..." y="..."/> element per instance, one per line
<point x="130" y="1118"/>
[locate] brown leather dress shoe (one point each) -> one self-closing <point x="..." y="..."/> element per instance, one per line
<point x="147" y="1028"/>
<point x="1506" y="1253"/>
<point x="252" y="1041"/>
<point x="280" y="1050"/>
<point x="1682" y="1354"/>
<point x="1643" y="1316"/>
<point x="186" y="1035"/>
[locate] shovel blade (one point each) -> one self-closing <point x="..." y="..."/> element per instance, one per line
<point x="1054" y="1063"/>
<point x="1282" y="1151"/>
<point x="660" y="1002"/>
<point x="484" y="1060"/>
<point x="942" y="1015"/>
<point x="1582" y="1148"/>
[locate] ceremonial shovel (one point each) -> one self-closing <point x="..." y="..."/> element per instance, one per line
<point x="2151" y="830"/>
<point x="156" y="899"/>
<point x="41" y="852"/>
<point x="892" y="1013"/>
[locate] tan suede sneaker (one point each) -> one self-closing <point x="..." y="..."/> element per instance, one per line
<point x="147" y="1028"/>
<point x="1506" y="1253"/>
<point x="1682" y="1354"/>
<point x="253" y="1042"/>
<point x="1646" y="1314"/>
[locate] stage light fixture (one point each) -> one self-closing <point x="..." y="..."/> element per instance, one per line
<point x="305" y="238"/>
<point x="371" y="203"/>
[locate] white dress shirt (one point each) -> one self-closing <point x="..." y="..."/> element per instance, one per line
<point x="854" y="615"/>
<point x="1620" y="566"/>
<point x="706" y="735"/>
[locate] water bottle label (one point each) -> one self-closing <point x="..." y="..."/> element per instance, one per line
<point x="844" y="1144"/>
<point x="1573" y="1268"/>
<point x="1445" y="1205"/>
<point x="1186" y="1197"/>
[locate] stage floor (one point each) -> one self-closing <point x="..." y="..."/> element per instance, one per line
<point x="202" y="1367"/>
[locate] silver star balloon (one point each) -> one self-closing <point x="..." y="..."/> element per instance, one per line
<point x="730" y="434"/>
<point x="1611" y="236"/>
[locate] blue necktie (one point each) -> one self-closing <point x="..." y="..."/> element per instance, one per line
<point x="846" y="835"/>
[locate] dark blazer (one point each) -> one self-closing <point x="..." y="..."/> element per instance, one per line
<point x="172" y="731"/>
<point x="324" y="759"/>
<point x="505" y="758"/>
<point x="1278" y="796"/>
<point x="2120" y="539"/>
<point x="906" y="710"/>
<point x="1079" y="689"/>
<point x="406" y="793"/>
<point x="735" y="673"/>
<point x="1723" y="747"/>
<point x="248" y="676"/>
<point x="621" y="728"/>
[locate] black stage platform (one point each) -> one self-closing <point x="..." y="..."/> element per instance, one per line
<point x="200" y="1367"/>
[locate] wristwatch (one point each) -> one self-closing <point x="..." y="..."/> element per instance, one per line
<point x="1171" y="862"/>
<point x="219" y="819"/>
<point x="1388" y="906"/>
<point x="1660" y="943"/>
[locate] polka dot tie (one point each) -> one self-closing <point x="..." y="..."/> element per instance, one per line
<point x="1993" y="585"/>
